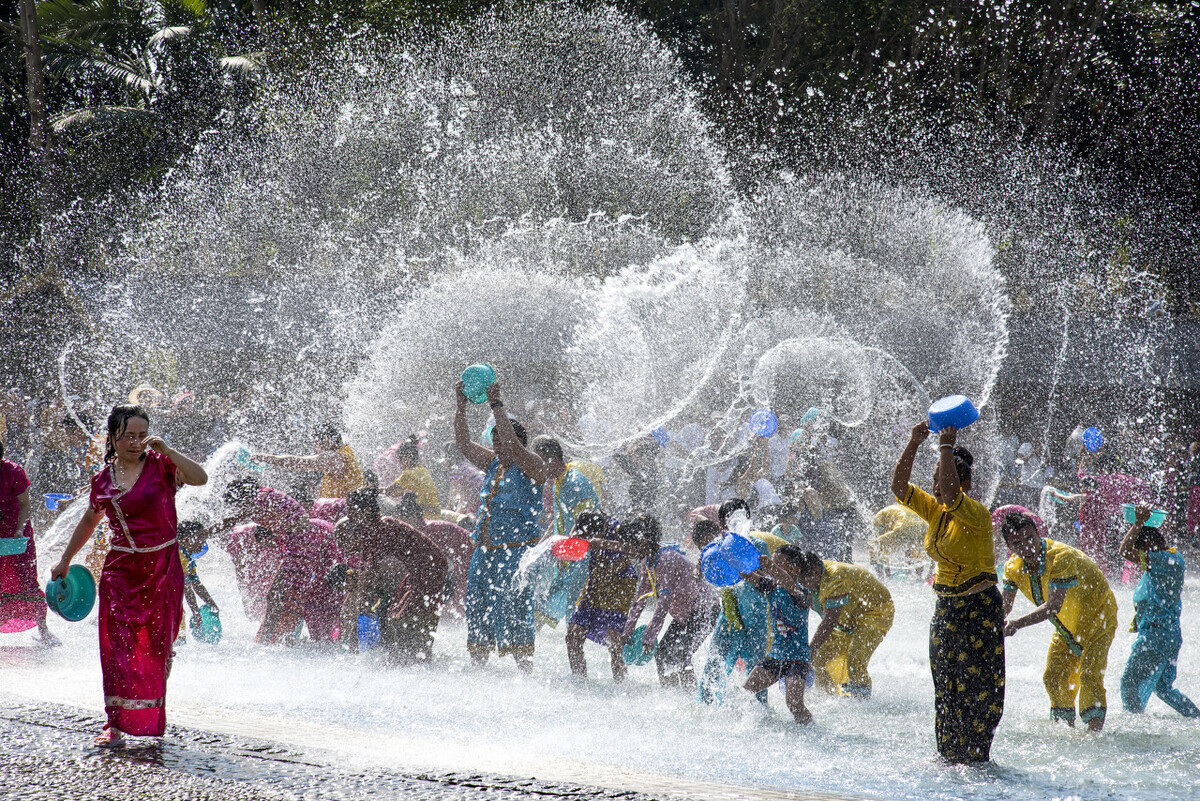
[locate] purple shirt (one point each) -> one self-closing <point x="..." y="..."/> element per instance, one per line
<point x="672" y="579"/>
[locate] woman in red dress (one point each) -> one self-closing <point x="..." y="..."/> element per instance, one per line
<point x="141" y="586"/>
<point x="22" y="604"/>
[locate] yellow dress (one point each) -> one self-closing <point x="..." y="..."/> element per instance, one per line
<point x="419" y="480"/>
<point x="341" y="485"/>
<point x="1085" y="626"/>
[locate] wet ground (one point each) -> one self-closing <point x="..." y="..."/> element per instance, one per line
<point x="46" y="753"/>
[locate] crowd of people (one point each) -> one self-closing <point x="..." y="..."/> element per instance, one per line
<point x="354" y="556"/>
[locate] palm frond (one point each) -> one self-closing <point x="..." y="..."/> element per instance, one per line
<point x="246" y="64"/>
<point x="102" y="115"/>
<point x="167" y="34"/>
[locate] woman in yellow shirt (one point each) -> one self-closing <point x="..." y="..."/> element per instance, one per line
<point x="333" y="458"/>
<point x="415" y="477"/>
<point x="966" y="635"/>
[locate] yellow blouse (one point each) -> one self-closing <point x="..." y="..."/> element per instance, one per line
<point x="958" y="539"/>
<point x="342" y="484"/>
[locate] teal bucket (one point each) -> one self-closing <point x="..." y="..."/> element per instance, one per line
<point x="72" y="596"/>
<point x="209" y="630"/>
<point x="634" y="651"/>
<point x="476" y="380"/>
<point x="13" y="546"/>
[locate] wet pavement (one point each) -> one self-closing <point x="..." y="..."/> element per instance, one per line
<point x="46" y="752"/>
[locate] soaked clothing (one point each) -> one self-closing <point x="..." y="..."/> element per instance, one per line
<point x="865" y="619"/>
<point x="1158" y="604"/>
<point x="789" y="627"/>
<point x="899" y="537"/>
<point x="419" y="480"/>
<point x="22" y="602"/>
<point x="1084" y="626"/>
<point x="499" y="608"/>
<point x="608" y="595"/>
<point x="339" y="485"/>
<point x="140" y="595"/>
<point x="966" y="654"/>
<point x="958" y="539"/>
<point x="254" y="565"/>
<point x="572" y="493"/>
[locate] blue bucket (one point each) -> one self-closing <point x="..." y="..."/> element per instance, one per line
<point x="53" y="499"/>
<point x="716" y="568"/>
<point x="368" y="632"/>
<point x="953" y="410"/>
<point x="740" y="552"/>
<point x="209" y="630"/>
<point x="476" y="380"/>
<point x="1092" y="439"/>
<point x="72" y="596"/>
<point x="1157" y="516"/>
<point x="764" y="423"/>
<point x="634" y="652"/>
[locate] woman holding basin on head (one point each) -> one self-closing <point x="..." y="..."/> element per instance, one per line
<point x="499" y="611"/>
<point x="141" y="586"/>
<point x="966" y="635"/>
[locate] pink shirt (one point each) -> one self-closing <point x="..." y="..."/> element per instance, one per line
<point x="141" y="518"/>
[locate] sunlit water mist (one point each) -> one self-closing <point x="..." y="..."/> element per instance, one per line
<point x="542" y="192"/>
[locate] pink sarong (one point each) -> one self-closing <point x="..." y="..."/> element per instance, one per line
<point x="141" y="595"/>
<point x="22" y="602"/>
<point x="255" y="565"/>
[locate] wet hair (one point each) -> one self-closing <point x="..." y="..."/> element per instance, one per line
<point x="804" y="561"/>
<point x="242" y="491"/>
<point x="1148" y="538"/>
<point x="364" y="499"/>
<point x="962" y="464"/>
<point x="302" y="492"/>
<point x="704" y="531"/>
<point x="118" y="421"/>
<point x="371" y="478"/>
<point x="327" y="432"/>
<point x="408" y="507"/>
<point x="1" y="450"/>
<point x="548" y="447"/>
<point x="1014" y="522"/>
<point x="728" y="508"/>
<point x="642" y="529"/>
<point x="408" y="449"/>
<point x="591" y="523"/>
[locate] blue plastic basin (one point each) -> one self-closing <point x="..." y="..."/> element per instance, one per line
<point x="953" y="410"/>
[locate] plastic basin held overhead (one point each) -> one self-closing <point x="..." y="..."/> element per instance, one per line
<point x="571" y="549"/>
<point x="1157" y="516"/>
<point x="476" y="380"/>
<point x="72" y="596"/>
<point x="716" y="568"/>
<point x="953" y="410"/>
<point x="764" y="423"/>
<point x="1092" y="439"/>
